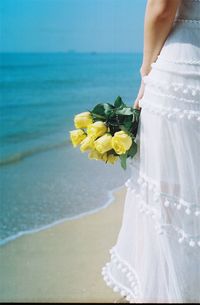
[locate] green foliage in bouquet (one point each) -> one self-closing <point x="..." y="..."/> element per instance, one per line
<point x="119" y="117"/>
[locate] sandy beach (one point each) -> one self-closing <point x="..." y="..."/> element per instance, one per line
<point x="63" y="263"/>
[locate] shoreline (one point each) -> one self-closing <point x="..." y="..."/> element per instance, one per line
<point x="64" y="262"/>
<point x="109" y="201"/>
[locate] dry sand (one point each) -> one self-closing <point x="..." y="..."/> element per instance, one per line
<point x="63" y="263"/>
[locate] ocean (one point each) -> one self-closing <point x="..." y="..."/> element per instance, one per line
<point x="43" y="179"/>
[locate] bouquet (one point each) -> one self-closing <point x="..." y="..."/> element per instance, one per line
<point x="107" y="132"/>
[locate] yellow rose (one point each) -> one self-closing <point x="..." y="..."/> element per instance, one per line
<point x="83" y="119"/>
<point x="77" y="136"/>
<point x="95" y="155"/>
<point x="104" y="157"/>
<point x="96" y="129"/>
<point x="103" y="143"/>
<point x="112" y="159"/>
<point x="86" y="144"/>
<point x="121" y="142"/>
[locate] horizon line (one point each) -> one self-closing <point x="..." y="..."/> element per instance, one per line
<point x="70" y="52"/>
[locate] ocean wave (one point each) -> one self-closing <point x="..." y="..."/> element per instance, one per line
<point x="39" y="83"/>
<point x="17" y="157"/>
<point x="24" y="66"/>
<point x="110" y="200"/>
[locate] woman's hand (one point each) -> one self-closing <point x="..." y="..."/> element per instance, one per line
<point x="139" y="96"/>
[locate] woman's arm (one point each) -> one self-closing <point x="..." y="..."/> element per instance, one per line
<point x="159" y="17"/>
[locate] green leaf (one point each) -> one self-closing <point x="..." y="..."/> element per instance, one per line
<point x="127" y="124"/>
<point x="99" y="110"/>
<point x="132" y="150"/>
<point x="125" y="111"/>
<point x="103" y="110"/>
<point x="123" y="158"/>
<point x="122" y="127"/>
<point x="119" y="103"/>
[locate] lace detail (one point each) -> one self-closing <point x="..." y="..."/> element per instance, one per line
<point x="160" y="227"/>
<point x="188" y="21"/>
<point x="159" y="67"/>
<point x="170" y="112"/>
<point x="174" y="97"/>
<point x="131" y="293"/>
<point x="176" y="87"/>
<point x="168" y="200"/>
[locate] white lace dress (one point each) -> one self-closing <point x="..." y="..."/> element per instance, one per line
<point x="157" y="254"/>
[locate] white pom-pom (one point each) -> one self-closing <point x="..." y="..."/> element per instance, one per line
<point x="198" y="118"/>
<point x="166" y="203"/>
<point x="147" y="211"/>
<point x="188" y="211"/>
<point x="180" y="240"/>
<point x="197" y="213"/>
<point x="185" y="91"/>
<point x="192" y="243"/>
<point x="116" y="289"/>
<point x="198" y="243"/>
<point x="127" y="183"/>
<point x="181" y="116"/>
<point x="169" y="115"/>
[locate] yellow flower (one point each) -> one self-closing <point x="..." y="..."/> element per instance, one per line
<point x="83" y="119"/>
<point x="95" y="155"/>
<point x="96" y="129"/>
<point x="77" y="136"/>
<point x="103" y="143"/>
<point x="112" y="159"/>
<point x="121" y="142"/>
<point x="104" y="157"/>
<point x="86" y="144"/>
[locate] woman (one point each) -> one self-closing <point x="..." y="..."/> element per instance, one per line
<point x="157" y="254"/>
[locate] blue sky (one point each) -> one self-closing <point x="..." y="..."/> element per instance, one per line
<point x="62" y="25"/>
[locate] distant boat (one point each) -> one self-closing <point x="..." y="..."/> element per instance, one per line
<point x="71" y="51"/>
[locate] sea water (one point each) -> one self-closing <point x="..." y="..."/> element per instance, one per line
<point x="43" y="179"/>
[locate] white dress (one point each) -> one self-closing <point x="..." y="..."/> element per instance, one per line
<point x="156" y="257"/>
